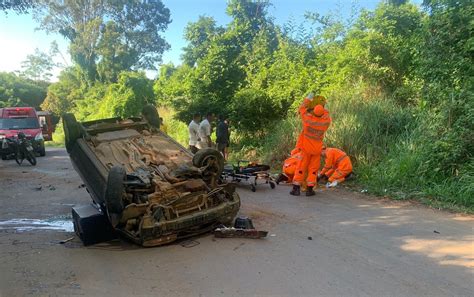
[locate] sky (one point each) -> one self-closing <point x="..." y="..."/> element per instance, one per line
<point x="19" y="36"/>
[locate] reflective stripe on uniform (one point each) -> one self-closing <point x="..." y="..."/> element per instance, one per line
<point x="339" y="160"/>
<point x="315" y="137"/>
<point x="314" y="123"/>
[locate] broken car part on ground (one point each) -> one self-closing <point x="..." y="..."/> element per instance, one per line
<point x="151" y="189"/>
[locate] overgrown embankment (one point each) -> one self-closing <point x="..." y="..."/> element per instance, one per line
<point x="393" y="149"/>
<point x="399" y="81"/>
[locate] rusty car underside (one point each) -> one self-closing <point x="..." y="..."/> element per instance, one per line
<point x="153" y="190"/>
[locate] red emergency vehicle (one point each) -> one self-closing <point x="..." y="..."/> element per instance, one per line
<point x="46" y="123"/>
<point x="22" y="119"/>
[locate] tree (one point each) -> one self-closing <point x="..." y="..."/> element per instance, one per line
<point x="102" y="31"/>
<point x="19" y="91"/>
<point x="446" y="65"/>
<point x="38" y="66"/>
<point x="61" y="96"/>
<point x="128" y="96"/>
<point x="199" y="35"/>
<point x="18" y="6"/>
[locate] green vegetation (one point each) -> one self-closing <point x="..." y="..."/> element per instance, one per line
<point x="399" y="82"/>
<point x="19" y="91"/>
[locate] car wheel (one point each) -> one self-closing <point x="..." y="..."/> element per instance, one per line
<point x="4" y="157"/>
<point x="72" y="131"/>
<point x="150" y="114"/>
<point x="211" y="158"/>
<point x="114" y="193"/>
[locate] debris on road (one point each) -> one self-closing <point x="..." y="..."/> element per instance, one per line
<point x="243" y="228"/>
<point x="232" y="232"/>
<point x="66" y="240"/>
<point x="310" y="238"/>
<point x="243" y="223"/>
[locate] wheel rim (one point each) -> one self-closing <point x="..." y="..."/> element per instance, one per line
<point x="211" y="164"/>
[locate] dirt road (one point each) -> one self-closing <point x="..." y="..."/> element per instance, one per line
<point x="335" y="244"/>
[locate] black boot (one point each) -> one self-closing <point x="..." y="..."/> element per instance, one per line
<point x="295" y="191"/>
<point x="310" y="191"/>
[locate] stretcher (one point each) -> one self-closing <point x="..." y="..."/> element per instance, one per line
<point x="251" y="172"/>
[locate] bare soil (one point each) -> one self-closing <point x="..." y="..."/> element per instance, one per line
<point x="337" y="243"/>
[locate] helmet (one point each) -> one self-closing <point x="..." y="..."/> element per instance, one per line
<point x="317" y="100"/>
<point x="320" y="100"/>
<point x="318" y="110"/>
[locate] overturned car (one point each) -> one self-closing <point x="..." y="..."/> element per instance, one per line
<point x="147" y="186"/>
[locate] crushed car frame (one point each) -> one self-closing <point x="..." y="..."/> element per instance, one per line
<point x="152" y="190"/>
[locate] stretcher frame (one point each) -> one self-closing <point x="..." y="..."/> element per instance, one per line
<point x="237" y="174"/>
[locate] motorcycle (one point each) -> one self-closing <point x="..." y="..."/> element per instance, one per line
<point x="21" y="148"/>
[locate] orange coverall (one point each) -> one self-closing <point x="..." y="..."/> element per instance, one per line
<point x="337" y="165"/>
<point x="311" y="143"/>
<point x="290" y="164"/>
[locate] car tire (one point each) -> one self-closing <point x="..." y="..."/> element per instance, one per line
<point x="151" y="115"/>
<point x="202" y="157"/>
<point x="114" y="193"/>
<point x="4" y="157"/>
<point x="72" y="131"/>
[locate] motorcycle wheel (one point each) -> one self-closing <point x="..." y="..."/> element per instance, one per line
<point x="31" y="158"/>
<point x="18" y="158"/>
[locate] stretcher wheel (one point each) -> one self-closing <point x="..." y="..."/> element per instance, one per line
<point x="272" y="185"/>
<point x="253" y="188"/>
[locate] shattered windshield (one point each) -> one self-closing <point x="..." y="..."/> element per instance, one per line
<point x="19" y="123"/>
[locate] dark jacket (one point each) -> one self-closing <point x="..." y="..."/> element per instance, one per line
<point x="222" y="133"/>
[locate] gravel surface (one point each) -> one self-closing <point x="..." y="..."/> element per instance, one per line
<point x="337" y="243"/>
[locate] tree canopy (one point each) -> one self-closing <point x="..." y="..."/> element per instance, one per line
<point x="107" y="37"/>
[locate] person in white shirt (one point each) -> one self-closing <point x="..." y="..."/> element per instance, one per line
<point x="193" y="129"/>
<point x="205" y="132"/>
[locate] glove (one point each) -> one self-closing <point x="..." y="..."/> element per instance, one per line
<point x="310" y="96"/>
<point x="331" y="185"/>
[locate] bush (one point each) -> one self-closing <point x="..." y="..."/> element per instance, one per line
<point x="127" y="97"/>
<point x="176" y="129"/>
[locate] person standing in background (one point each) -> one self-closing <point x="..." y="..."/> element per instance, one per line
<point x="223" y="136"/>
<point x="205" y="132"/>
<point x="193" y="129"/>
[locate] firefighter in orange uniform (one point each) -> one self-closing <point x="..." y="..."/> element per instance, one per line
<point x="290" y="165"/>
<point x="315" y="123"/>
<point x="337" y="166"/>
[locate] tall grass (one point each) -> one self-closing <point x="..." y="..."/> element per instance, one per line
<point x="176" y="129"/>
<point x="364" y="129"/>
<point x="387" y="145"/>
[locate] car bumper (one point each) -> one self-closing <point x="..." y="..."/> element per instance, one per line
<point x="154" y="233"/>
